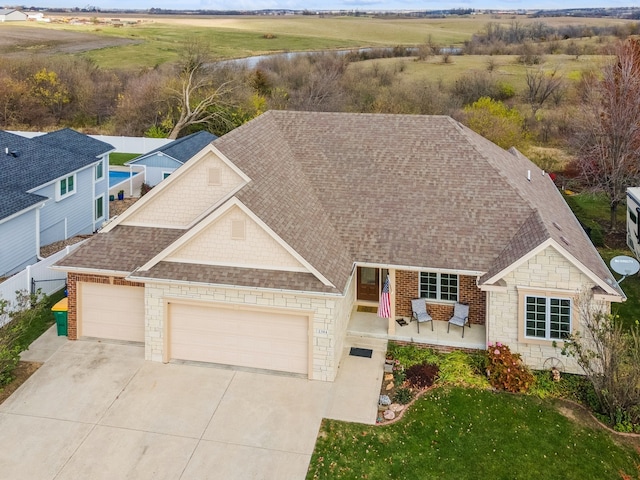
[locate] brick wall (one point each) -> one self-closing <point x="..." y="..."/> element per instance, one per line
<point x="407" y="289"/>
<point x="72" y="289"/>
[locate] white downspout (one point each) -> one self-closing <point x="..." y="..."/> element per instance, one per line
<point x="38" y="233"/>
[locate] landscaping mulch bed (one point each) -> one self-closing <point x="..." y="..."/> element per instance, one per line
<point x="22" y="373"/>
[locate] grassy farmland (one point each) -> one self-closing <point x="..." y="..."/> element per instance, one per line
<point x="159" y="39"/>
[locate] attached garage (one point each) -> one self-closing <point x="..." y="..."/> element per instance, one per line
<point x="265" y="339"/>
<point x="111" y="311"/>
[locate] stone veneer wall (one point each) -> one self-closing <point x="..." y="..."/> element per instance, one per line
<point x="407" y="289"/>
<point x="548" y="270"/>
<point x="328" y="313"/>
<point x="72" y="291"/>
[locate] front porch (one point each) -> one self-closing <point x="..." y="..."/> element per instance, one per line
<point x="369" y="325"/>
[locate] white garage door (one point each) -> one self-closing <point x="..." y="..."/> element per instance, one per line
<point x="257" y="339"/>
<point x="111" y="311"/>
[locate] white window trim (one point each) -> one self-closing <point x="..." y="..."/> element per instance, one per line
<point x="95" y="200"/>
<point x="525" y="291"/>
<point x="438" y="298"/>
<point x="547" y="327"/>
<point x="59" y="196"/>
<point x="95" y="170"/>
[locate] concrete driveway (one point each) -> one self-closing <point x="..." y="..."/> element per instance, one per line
<point x="98" y="410"/>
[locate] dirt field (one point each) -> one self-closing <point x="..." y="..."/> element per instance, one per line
<point x="17" y="40"/>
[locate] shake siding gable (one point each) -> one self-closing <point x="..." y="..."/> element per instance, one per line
<point x="187" y="196"/>
<point x="216" y="245"/>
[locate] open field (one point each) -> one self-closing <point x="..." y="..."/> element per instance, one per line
<point x="146" y="41"/>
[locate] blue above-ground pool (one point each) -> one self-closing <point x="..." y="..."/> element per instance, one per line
<point x="118" y="177"/>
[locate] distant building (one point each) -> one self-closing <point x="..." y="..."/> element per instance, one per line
<point x="8" y="15"/>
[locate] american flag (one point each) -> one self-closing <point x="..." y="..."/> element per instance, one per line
<point x="384" y="307"/>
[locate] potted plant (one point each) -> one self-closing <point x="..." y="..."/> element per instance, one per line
<point x="121" y="195"/>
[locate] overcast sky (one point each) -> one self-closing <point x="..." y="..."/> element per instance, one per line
<point x="332" y="4"/>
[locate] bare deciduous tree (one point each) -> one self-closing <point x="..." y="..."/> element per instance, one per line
<point x="540" y="86"/>
<point x="195" y="94"/>
<point x="607" y="137"/>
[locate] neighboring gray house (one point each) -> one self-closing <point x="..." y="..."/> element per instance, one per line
<point x="163" y="161"/>
<point x="11" y="15"/>
<point x="54" y="186"/>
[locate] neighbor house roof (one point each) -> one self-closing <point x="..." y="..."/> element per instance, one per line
<point x="28" y="163"/>
<point x="400" y="190"/>
<point x="181" y="149"/>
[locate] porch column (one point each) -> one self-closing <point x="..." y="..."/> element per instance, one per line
<point x="392" y="301"/>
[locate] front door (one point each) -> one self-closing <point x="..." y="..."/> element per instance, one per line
<point x="368" y="283"/>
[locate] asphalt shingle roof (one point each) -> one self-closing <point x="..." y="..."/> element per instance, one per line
<point x="123" y="249"/>
<point x="32" y="162"/>
<point x="183" y="148"/>
<point x="404" y="190"/>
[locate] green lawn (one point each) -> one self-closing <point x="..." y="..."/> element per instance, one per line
<point x="119" y="159"/>
<point x="465" y="433"/>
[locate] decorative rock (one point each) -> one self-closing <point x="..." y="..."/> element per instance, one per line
<point x="396" y="407"/>
<point x="384" y="400"/>
<point x="388" y="368"/>
<point x="388" y="376"/>
<point x="389" y="415"/>
<point x="389" y="386"/>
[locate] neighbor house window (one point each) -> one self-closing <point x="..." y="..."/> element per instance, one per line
<point x="439" y="286"/>
<point x="99" y="171"/>
<point x="99" y="208"/>
<point x="547" y="318"/>
<point x="66" y="186"/>
<point x="165" y="174"/>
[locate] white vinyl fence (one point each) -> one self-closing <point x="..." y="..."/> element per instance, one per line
<point x="121" y="144"/>
<point x="36" y="276"/>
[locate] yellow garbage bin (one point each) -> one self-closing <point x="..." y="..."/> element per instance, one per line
<point x="60" y="310"/>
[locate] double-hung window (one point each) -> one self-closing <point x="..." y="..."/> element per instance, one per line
<point x="547" y="318"/>
<point x="66" y="187"/>
<point x="99" y="171"/>
<point x="439" y="286"/>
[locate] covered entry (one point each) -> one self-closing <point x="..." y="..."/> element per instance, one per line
<point x="111" y="311"/>
<point x="266" y="339"/>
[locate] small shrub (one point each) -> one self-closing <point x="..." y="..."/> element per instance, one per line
<point x="409" y="355"/>
<point x="403" y="395"/>
<point x="269" y="36"/>
<point x="506" y="370"/>
<point x="422" y="376"/>
<point x="20" y="314"/>
<point x="145" y="188"/>
<point x="398" y="373"/>
<point x="463" y="369"/>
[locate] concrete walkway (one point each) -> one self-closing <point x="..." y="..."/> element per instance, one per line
<point x="98" y="410"/>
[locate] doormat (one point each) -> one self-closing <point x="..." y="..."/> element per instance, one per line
<point x="362" y="308"/>
<point x="402" y="322"/>
<point x="361" y="352"/>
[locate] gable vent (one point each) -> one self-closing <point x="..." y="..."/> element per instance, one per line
<point x="215" y="176"/>
<point x="557" y="225"/>
<point x="237" y="230"/>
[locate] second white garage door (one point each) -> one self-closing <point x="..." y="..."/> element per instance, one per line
<point x="111" y="311"/>
<point x="257" y="339"/>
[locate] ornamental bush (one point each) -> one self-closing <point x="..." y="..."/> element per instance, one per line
<point x="506" y="371"/>
<point x="422" y="376"/>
